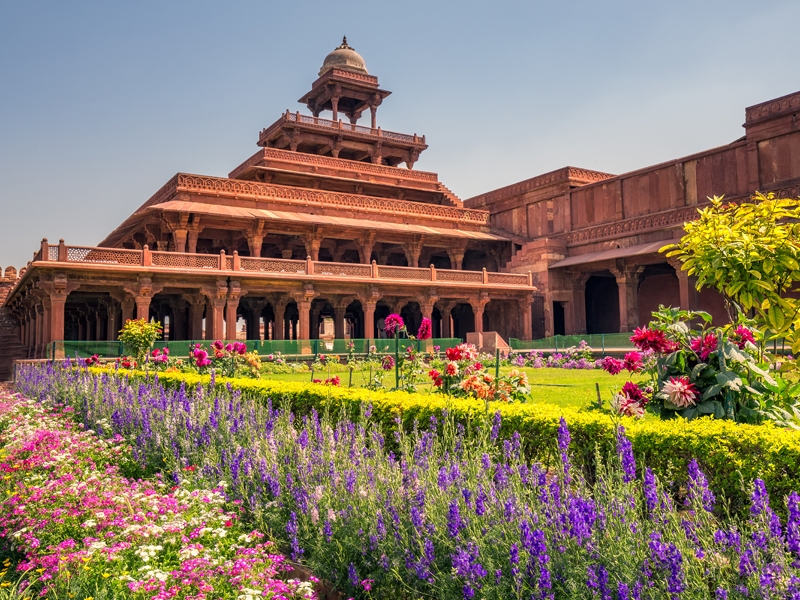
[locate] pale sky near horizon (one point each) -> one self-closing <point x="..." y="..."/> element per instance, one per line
<point x="102" y="102"/>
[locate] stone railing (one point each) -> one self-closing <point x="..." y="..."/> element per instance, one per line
<point x="315" y="160"/>
<point x="237" y="188"/>
<point x="157" y="260"/>
<point x="328" y="124"/>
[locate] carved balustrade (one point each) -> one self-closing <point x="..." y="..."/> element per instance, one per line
<point x="179" y="261"/>
<point x="322" y="123"/>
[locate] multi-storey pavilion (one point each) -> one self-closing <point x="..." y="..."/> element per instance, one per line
<point x="328" y="220"/>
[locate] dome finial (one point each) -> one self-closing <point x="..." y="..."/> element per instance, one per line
<point x="344" y="57"/>
<point x="344" y="43"/>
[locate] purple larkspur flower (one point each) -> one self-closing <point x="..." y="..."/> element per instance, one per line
<point x="625" y="453"/>
<point x="699" y="493"/>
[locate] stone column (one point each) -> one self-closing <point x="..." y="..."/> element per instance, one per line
<point x="98" y="334"/>
<point x="446" y="328"/>
<point x="127" y="309"/>
<point x="690" y="298"/>
<point x="313" y="328"/>
<point x="527" y="318"/>
<point x="192" y="235"/>
<point x="254" y="242"/>
<point x="279" y="328"/>
<point x="143" y="307"/>
<point x="230" y="317"/>
<point x="338" y="324"/>
<point x="39" y="328"/>
<point x="577" y="307"/>
<point x="111" y="321"/>
<point x="218" y="311"/>
<point x="179" y="239"/>
<point x="477" y="309"/>
<point x="196" y="306"/>
<point x="177" y="325"/>
<point x="627" y="277"/>
<point x="369" y="319"/>
<point x="456" y="254"/>
<point x="57" y="302"/>
<point x="209" y="330"/>
<point x="304" y="308"/>
<point x="312" y="242"/>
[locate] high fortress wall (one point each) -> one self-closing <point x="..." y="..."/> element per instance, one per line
<point x="591" y="239"/>
<point x="329" y="222"/>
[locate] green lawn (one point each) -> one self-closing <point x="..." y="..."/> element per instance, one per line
<point x="564" y="387"/>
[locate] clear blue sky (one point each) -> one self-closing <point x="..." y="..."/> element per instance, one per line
<point x="102" y="102"/>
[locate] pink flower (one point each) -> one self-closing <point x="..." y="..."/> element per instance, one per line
<point x="681" y="393"/>
<point x="387" y="363"/>
<point x="622" y="405"/>
<point x="742" y="335"/>
<point x="652" y="339"/>
<point x="612" y="365"/>
<point x="424" y="332"/>
<point x="704" y="346"/>
<point x="451" y="370"/>
<point x="633" y="362"/>
<point x="634" y="392"/>
<point x="393" y="323"/>
<point x="367" y="584"/>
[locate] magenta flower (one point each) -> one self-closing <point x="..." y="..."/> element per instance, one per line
<point x="424" y="332"/>
<point x="681" y="393"/>
<point x="393" y="323"/>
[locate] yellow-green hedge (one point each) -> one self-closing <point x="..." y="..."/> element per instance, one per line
<point x="731" y="455"/>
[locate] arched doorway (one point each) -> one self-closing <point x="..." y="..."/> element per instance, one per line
<point x="463" y="320"/>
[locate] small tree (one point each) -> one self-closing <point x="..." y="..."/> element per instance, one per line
<point x="138" y="336"/>
<point x="750" y="253"/>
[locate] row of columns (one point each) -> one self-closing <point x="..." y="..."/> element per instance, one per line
<point x="627" y="279"/>
<point x="185" y="236"/>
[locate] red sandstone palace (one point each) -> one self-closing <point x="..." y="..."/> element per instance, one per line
<point x="329" y="220"/>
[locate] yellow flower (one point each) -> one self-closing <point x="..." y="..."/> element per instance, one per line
<point x="5" y="584"/>
<point x="40" y="570"/>
<point x="106" y="575"/>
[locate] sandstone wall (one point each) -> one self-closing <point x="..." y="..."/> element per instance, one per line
<point x="10" y="346"/>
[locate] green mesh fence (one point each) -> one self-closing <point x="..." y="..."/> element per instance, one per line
<point x="263" y="347"/>
<point x="598" y="341"/>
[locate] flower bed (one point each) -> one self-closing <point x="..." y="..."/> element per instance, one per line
<point x="454" y="511"/>
<point x="725" y="450"/>
<point x="80" y="528"/>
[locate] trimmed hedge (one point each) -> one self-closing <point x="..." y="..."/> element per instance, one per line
<point x="728" y="453"/>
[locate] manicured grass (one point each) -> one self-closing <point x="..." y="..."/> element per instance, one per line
<point x="562" y="387"/>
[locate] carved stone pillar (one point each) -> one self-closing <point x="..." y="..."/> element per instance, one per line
<point x="575" y="317"/>
<point x="254" y="242"/>
<point x="234" y="292"/>
<point x="627" y="277"/>
<point x="478" y="307"/>
<point x="99" y="334"/>
<point x="444" y="310"/>
<point x="312" y="242"/>
<point x="456" y="254"/>
<point x="338" y="324"/>
<point x="365" y="245"/>
<point x="369" y="319"/>
<point x="127" y="309"/>
<point x="304" y="308"/>
<point x="217" y="320"/>
<point x="143" y="307"/>
<point x="413" y="251"/>
<point x="527" y="318"/>
<point x="112" y="327"/>
<point x="689" y="296"/>
<point x="192" y="240"/>
<point x="39" y="328"/>
<point x="196" y="306"/>
<point x="278" y="329"/>
<point x="179" y="237"/>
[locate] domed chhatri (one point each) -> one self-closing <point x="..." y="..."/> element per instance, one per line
<point x="344" y="57"/>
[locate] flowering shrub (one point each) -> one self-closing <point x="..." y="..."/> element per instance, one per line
<point x="574" y="357"/>
<point x="230" y="359"/>
<point x="696" y="370"/>
<point x="463" y="375"/>
<point x="138" y="335"/>
<point x="80" y="526"/>
<point x="451" y="512"/>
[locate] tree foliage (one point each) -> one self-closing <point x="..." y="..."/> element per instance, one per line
<point x="750" y="253"/>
